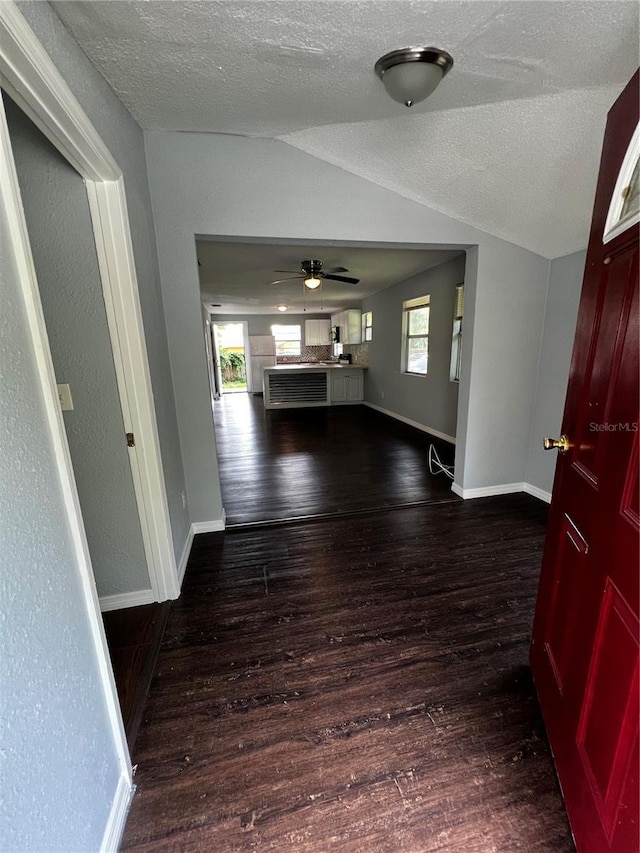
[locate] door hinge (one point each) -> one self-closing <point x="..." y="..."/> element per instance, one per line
<point x="131" y="440"/>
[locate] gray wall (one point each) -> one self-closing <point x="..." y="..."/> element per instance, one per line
<point x="124" y="139"/>
<point x="561" y="312"/>
<point x="58" y="218"/>
<point x="59" y="764"/>
<point x="239" y="187"/>
<point x="430" y="400"/>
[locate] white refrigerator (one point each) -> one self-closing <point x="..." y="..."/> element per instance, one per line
<point x="262" y="350"/>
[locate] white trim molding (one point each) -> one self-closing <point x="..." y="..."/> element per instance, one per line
<point x="184" y="557"/>
<point x="614" y="224"/>
<point x="541" y="494"/>
<point x="117" y="817"/>
<point x="487" y="491"/>
<point x="35" y="84"/>
<point x="214" y="526"/>
<point x="504" y="489"/>
<point x="108" y="206"/>
<point x="443" y="435"/>
<point x="120" y="600"/>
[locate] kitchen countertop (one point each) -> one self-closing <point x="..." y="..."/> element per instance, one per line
<point x="315" y="366"/>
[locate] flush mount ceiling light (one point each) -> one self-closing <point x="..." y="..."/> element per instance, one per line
<point x="282" y="307"/>
<point x="411" y="74"/>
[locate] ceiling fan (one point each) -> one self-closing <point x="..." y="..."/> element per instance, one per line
<point x="312" y="273"/>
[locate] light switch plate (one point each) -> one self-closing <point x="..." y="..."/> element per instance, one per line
<point x="64" y="394"/>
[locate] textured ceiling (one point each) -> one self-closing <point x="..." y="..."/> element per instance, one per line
<point x="509" y="142"/>
<point x="236" y="274"/>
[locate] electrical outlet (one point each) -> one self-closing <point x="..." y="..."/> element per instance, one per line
<point x="64" y="395"/>
<point x="184" y="501"/>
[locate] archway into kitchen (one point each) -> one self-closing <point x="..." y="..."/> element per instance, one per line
<point x="354" y="398"/>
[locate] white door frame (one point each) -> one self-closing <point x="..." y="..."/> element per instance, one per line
<point x="29" y="76"/>
<point x="216" y="321"/>
<point x="215" y="351"/>
<point x="247" y="355"/>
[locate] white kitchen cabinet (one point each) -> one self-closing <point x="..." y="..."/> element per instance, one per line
<point x="317" y="333"/>
<point x="350" y="323"/>
<point x="347" y="386"/>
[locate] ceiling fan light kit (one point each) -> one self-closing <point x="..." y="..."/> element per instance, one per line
<point x="411" y="74"/>
<point x="312" y="274"/>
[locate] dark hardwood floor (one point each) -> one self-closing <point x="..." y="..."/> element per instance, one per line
<point x="134" y="635"/>
<point x="353" y="684"/>
<point x="331" y="460"/>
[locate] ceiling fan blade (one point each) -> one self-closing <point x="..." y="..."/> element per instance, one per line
<point x="283" y="280"/>
<point x="334" y="269"/>
<point x="293" y="272"/>
<point x="343" y="278"/>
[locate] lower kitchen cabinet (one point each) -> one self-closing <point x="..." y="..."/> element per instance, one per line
<point x="347" y="386"/>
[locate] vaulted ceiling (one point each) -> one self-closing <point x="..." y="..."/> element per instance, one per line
<point x="509" y="142"/>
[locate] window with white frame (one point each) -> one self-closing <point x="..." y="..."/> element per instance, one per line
<point x="456" y="339"/>
<point x="367" y="326"/>
<point x="415" y="325"/>
<point x="288" y="339"/>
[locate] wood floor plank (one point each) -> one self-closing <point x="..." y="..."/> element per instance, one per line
<point x="354" y="685"/>
<point x="134" y="635"/>
<point x="301" y="462"/>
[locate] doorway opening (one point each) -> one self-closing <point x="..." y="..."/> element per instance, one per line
<point x="231" y="357"/>
<point x="298" y="435"/>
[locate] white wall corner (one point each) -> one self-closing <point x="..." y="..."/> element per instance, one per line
<point x="210" y="526"/>
<point x="457" y="490"/>
<point x="184" y="557"/>
<point x="117" y="815"/>
<point x="487" y="491"/>
<point x="541" y="494"/>
<point x="126" y="599"/>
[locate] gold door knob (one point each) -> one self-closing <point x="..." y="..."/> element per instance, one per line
<point x="560" y="444"/>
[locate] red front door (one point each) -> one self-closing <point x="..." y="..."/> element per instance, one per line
<point x="584" y="652"/>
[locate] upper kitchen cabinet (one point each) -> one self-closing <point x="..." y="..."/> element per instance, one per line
<point x="350" y="323"/>
<point x="317" y="333"/>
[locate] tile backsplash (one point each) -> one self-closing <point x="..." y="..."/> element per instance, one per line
<point x="359" y="354"/>
<point x="307" y="354"/>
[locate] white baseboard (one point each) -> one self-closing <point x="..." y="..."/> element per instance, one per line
<point x="184" y="557"/>
<point x="210" y="526"/>
<point x="450" y="438"/>
<point x="117" y="816"/>
<point x="504" y="489"/>
<point x="537" y="493"/>
<point x="126" y="599"/>
<point x="487" y="491"/>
